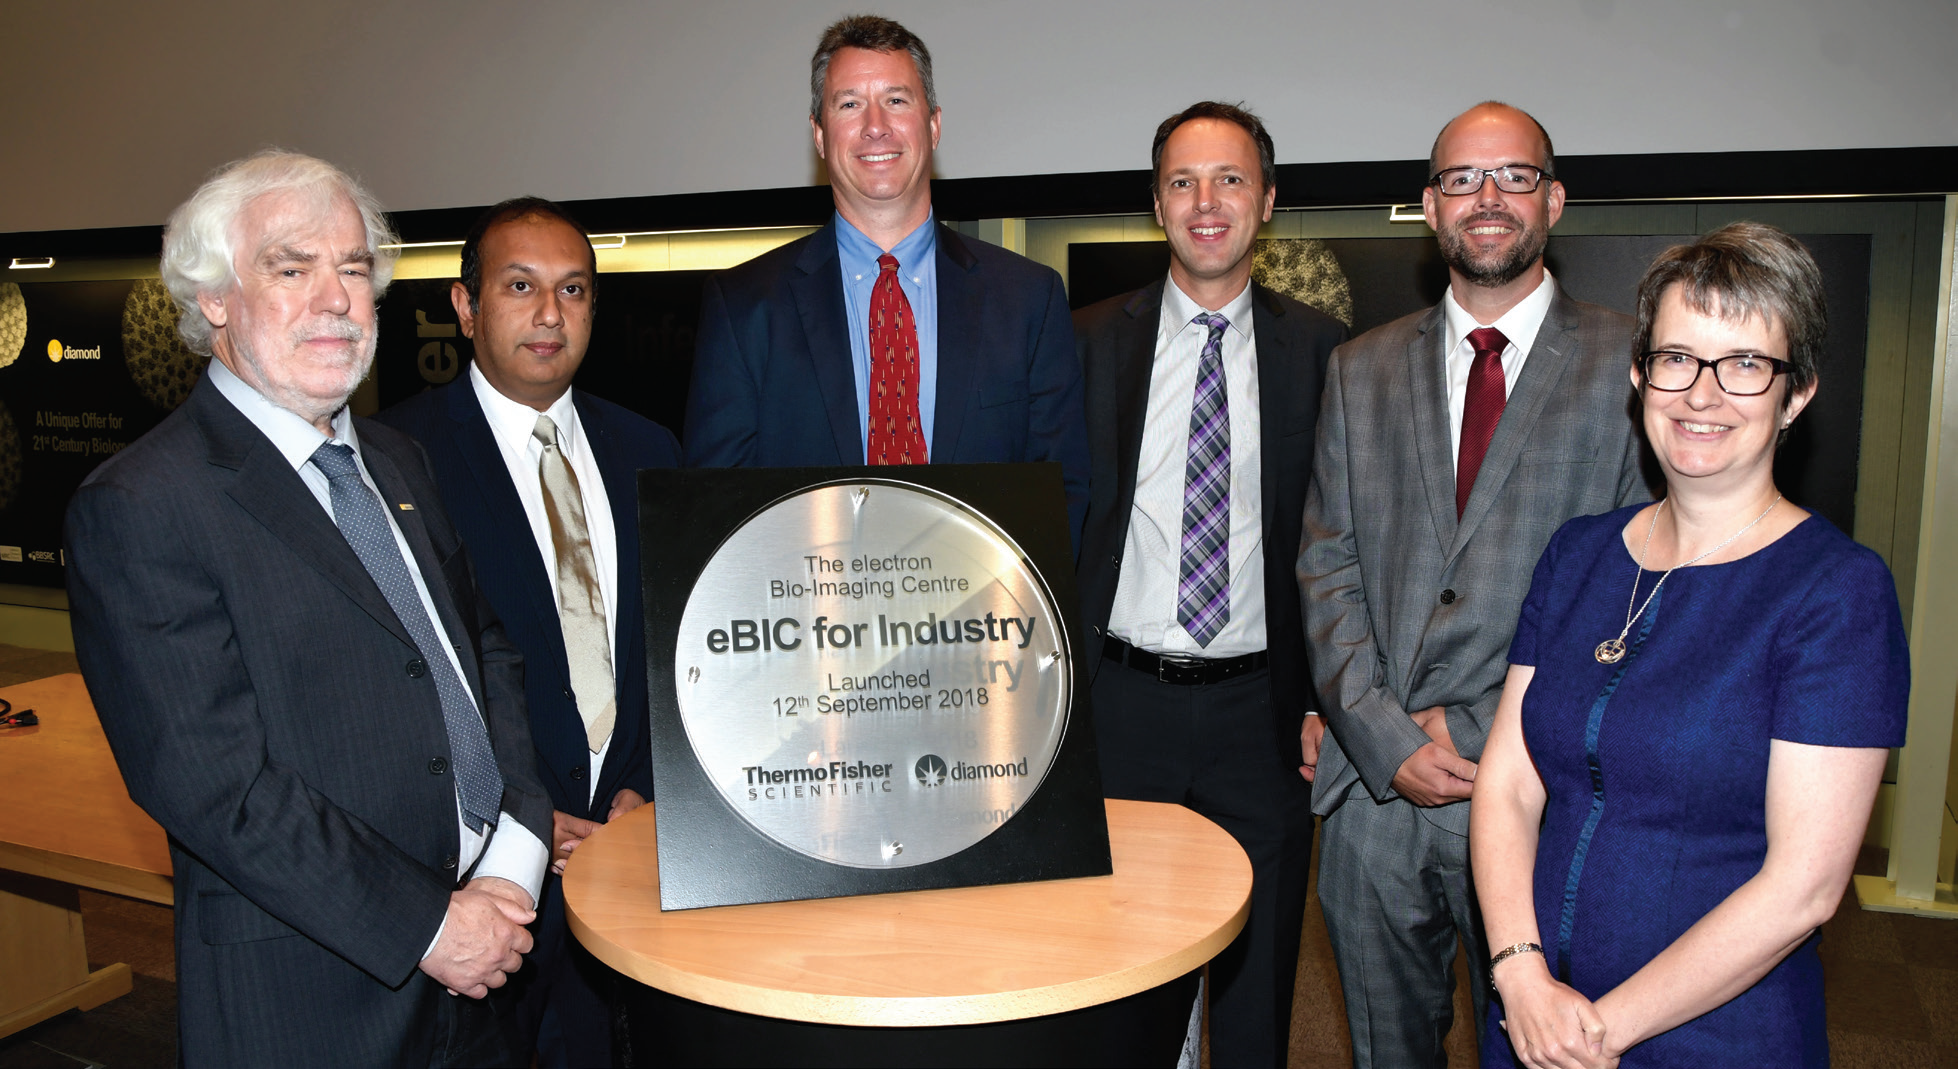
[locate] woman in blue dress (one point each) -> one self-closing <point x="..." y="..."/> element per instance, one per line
<point x="1696" y="718"/>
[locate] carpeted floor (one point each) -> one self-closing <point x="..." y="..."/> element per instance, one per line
<point x="1892" y="980"/>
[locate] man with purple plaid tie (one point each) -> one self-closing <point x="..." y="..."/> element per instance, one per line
<point x="1202" y="393"/>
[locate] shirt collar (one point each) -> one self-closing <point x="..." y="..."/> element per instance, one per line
<point x="512" y="422"/>
<point x="859" y="254"/>
<point x="1179" y="310"/>
<point x="1520" y="324"/>
<point x="294" y="438"/>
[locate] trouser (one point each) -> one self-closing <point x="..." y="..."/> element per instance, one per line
<point x="1396" y="895"/>
<point x="1213" y="748"/>
<point x="563" y="1014"/>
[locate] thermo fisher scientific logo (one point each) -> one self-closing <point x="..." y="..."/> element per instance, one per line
<point x="932" y="771"/>
<point x="58" y="352"/>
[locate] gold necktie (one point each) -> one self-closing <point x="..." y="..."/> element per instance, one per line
<point x="581" y="603"/>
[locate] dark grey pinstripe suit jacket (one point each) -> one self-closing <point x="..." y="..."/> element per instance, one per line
<point x="1382" y="544"/>
<point x="255" y="687"/>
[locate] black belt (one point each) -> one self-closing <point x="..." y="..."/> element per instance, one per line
<point x="1182" y="671"/>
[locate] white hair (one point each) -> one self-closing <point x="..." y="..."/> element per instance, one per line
<point x="199" y="240"/>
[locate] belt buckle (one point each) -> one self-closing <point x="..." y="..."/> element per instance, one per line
<point x="1166" y="662"/>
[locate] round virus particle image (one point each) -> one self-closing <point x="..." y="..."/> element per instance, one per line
<point x="1305" y="270"/>
<point x="13" y="323"/>
<point x="10" y="458"/>
<point x="162" y="367"/>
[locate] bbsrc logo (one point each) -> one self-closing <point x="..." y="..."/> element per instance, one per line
<point x="930" y="770"/>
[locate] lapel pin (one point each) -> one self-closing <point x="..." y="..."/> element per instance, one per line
<point x="405" y="507"/>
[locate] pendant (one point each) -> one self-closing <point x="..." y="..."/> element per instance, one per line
<point x="1611" y="651"/>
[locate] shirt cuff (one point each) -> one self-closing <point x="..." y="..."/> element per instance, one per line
<point x="516" y="855"/>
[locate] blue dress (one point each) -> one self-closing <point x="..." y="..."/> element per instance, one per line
<point x="1656" y="767"/>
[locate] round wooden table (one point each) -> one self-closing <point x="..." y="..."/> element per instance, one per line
<point x="962" y="956"/>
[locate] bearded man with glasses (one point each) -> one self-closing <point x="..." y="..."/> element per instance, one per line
<point x="1451" y="443"/>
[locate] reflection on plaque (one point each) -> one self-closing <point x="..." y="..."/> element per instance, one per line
<point x="861" y="680"/>
<point x="871" y="674"/>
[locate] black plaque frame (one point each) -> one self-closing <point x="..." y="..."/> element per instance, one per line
<point x="708" y="854"/>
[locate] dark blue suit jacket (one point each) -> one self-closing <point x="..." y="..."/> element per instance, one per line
<point x="268" y="708"/>
<point x="482" y="501"/>
<point x="773" y="387"/>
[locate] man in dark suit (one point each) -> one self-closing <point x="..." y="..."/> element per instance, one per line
<point x="885" y="338"/>
<point x="1452" y="444"/>
<point x="295" y="670"/>
<point x="1202" y="393"/>
<point x="539" y="478"/>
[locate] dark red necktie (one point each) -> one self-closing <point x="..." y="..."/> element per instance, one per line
<point x="1481" y="410"/>
<point x="896" y="434"/>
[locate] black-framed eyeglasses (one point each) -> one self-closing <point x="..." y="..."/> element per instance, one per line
<point x="1510" y="178"/>
<point x="1742" y="375"/>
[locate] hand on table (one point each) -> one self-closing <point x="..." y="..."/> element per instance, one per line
<point x="568" y="831"/>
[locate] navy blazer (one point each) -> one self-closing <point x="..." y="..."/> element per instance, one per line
<point x="481" y="499"/>
<point x="269" y="710"/>
<point x="1118" y="350"/>
<point x="773" y="385"/>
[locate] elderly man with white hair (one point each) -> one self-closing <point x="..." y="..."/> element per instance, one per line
<point x="301" y="683"/>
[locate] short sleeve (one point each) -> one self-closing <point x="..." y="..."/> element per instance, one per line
<point x="1844" y="667"/>
<point x="1522" y="648"/>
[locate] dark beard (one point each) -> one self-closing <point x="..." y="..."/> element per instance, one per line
<point x="1504" y="268"/>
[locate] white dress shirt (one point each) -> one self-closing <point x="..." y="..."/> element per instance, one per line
<point x="511" y="423"/>
<point x="1144" y="611"/>
<point x="1519" y="325"/>
<point x="512" y="852"/>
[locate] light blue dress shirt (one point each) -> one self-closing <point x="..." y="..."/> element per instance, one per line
<point x="917" y="276"/>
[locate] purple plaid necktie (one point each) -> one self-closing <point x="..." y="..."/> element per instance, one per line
<point x="1203" y="588"/>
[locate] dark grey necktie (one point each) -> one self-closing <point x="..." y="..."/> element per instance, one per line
<point x="358" y="513"/>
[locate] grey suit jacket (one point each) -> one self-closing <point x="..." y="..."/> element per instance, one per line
<point x="1406" y="608"/>
<point x="271" y="712"/>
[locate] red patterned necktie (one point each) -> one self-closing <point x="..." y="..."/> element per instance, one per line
<point x="896" y="434"/>
<point x="1482" y="409"/>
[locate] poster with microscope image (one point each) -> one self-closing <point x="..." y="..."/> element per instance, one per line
<point x="1367" y="282"/>
<point x="85" y="369"/>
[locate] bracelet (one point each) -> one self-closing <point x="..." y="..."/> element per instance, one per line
<point x="1509" y="952"/>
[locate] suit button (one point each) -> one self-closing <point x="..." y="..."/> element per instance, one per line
<point x="417" y="668"/>
<point x="577" y="773"/>
<point x="1116" y="561"/>
<point x="438" y="766"/>
<point x="449" y="862"/>
<point x="568" y="696"/>
<point x="1448" y="597"/>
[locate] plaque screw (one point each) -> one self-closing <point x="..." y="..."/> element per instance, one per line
<point x="892" y="849"/>
<point x="862" y="493"/>
<point x="693" y="673"/>
<point x="1048" y="661"/>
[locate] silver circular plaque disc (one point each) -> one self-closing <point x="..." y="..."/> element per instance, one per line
<point x="872" y="674"/>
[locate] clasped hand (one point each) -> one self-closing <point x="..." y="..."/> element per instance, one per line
<point x="1435" y="774"/>
<point x="483" y="937"/>
<point x="1550" y="1025"/>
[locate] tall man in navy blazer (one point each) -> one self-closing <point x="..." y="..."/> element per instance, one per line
<point x="300" y="681"/>
<point x="1206" y="712"/>
<point x="527" y="298"/>
<point x="783" y="374"/>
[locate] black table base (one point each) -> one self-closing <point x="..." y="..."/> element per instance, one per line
<point x="658" y="1029"/>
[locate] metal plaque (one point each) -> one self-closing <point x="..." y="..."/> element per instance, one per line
<point x="872" y="674"/>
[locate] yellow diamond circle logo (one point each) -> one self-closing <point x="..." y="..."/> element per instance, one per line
<point x="54" y="350"/>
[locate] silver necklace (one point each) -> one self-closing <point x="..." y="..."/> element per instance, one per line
<point x="1612" y="650"/>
